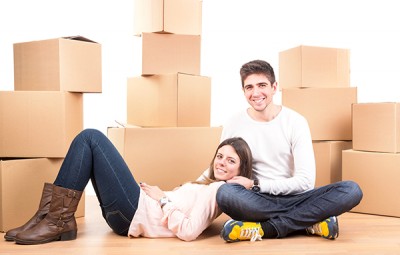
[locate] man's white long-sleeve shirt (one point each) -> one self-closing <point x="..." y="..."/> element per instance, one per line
<point x="283" y="155"/>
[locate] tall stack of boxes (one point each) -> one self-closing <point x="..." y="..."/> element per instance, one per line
<point x="169" y="104"/>
<point x="40" y="118"/>
<point x="315" y="81"/>
<point x="374" y="160"/>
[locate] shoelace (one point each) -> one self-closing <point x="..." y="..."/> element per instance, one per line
<point x="251" y="233"/>
<point x="316" y="229"/>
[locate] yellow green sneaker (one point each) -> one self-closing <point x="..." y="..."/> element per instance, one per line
<point x="235" y="231"/>
<point x="328" y="228"/>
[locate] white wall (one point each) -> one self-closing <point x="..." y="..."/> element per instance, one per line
<point x="234" y="32"/>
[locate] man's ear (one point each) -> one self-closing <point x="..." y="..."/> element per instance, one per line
<point x="275" y="86"/>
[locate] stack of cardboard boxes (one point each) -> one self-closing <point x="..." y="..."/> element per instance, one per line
<point x="374" y="160"/>
<point x="39" y="119"/>
<point x="315" y="81"/>
<point x="169" y="104"/>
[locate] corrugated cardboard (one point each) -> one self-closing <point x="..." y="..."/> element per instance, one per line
<point x="21" y="186"/>
<point x="378" y="175"/>
<point x="376" y="127"/>
<point x="61" y="64"/>
<point x="328" y="161"/>
<point x="169" y="100"/>
<point x="168" y="16"/>
<point x="167" y="157"/>
<point x="309" y="66"/>
<point x="170" y="53"/>
<point x="39" y="123"/>
<point x="327" y="110"/>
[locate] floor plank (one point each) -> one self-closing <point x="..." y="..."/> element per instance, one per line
<point x="359" y="234"/>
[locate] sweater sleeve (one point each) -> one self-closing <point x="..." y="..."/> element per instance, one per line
<point x="188" y="225"/>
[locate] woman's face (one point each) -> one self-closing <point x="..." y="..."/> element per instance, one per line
<point x="226" y="163"/>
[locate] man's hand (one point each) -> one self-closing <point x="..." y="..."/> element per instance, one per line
<point x="245" y="182"/>
<point x="152" y="191"/>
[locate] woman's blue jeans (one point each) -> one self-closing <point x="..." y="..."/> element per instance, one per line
<point x="92" y="156"/>
<point x="289" y="213"/>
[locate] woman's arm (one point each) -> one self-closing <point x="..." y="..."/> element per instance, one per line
<point x="193" y="213"/>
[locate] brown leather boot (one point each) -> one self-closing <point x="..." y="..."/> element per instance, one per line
<point x="44" y="206"/>
<point x="59" y="223"/>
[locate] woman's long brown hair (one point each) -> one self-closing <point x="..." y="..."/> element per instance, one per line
<point x="243" y="151"/>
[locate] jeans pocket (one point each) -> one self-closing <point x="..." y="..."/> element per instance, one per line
<point x="118" y="222"/>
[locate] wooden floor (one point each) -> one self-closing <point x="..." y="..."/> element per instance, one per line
<point x="359" y="234"/>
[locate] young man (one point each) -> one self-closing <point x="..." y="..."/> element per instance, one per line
<point x="282" y="198"/>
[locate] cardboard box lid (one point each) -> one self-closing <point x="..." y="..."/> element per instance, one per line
<point x="168" y="16"/>
<point x="78" y="38"/>
<point x="71" y="37"/>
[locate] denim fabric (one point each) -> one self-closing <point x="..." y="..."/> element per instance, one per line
<point x="92" y="156"/>
<point x="289" y="213"/>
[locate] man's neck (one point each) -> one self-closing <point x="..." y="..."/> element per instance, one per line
<point x="267" y="114"/>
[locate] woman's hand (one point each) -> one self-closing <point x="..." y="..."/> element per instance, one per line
<point x="152" y="191"/>
<point x="245" y="182"/>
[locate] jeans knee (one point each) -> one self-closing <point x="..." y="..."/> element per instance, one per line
<point x="89" y="132"/>
<point x="354" y="191"/>
<point x="224" y="194"/>
<point x="220" y="197"/>
<point x="90" y="135"/>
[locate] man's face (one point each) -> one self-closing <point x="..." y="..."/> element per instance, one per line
<point x="259" y="91"/>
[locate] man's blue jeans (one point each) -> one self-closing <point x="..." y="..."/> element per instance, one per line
<point x="289" y="213"/>
<point x="92" y="156"/>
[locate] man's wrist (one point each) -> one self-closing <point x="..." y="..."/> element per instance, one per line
<point x="256" y="186"/>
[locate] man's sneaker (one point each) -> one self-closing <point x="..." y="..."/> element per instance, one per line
<point x="328" y="228"/>
<point x="235" y="231"/>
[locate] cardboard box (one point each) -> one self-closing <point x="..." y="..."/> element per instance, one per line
<point x="309" y="66"/>
<point x="378" y="175"/>
<point x="328" y="161"/>
<point x="169" y="100"/>
<point x="167" y="157"/>
<point x="39" y="123"/>
<point x="168" y="16"/>
<point x="21" y="186"/>
<point x="61" y="64"/>
<point x="327" y="110"/>
<point x="170" y="53"/>
<point x="376" y="127"/>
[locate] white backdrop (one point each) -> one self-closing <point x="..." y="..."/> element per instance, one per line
<point x="234" y="32"/>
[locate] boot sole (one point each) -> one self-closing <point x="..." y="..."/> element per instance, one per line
<point x="9" y="238"/>
<point x="67" y="236"/>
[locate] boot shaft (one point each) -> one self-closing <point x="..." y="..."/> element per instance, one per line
<point x="64" y="204"/>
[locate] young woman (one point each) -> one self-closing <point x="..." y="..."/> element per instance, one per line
<point x="129" y="208"/>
